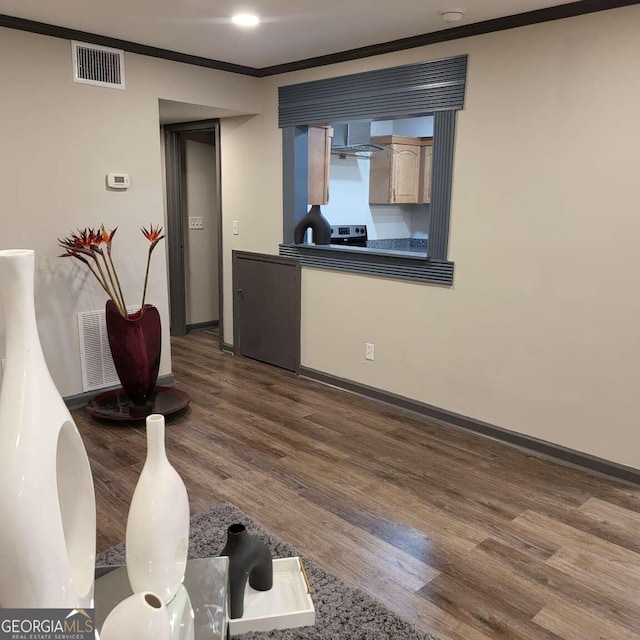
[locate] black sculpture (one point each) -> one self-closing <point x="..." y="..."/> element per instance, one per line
<point x="319" y="225"/>
<point x="248" y="558"/>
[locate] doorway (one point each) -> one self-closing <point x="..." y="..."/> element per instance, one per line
<point x="194" y="225"/>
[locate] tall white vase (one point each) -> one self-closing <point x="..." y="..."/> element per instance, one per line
<point x="158" y="523"/>
<point x="47" y="503"/>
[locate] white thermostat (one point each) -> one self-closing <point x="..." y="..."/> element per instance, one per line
<point x="118" y="180"/>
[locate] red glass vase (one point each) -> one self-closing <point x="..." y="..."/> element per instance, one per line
<point x="135" y="344"/>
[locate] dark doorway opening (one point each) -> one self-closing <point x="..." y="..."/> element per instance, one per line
<point x="194" y="225"/>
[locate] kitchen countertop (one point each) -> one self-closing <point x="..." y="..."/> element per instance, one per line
<point x="402" y="244"/>
<point x="375" y="251"/>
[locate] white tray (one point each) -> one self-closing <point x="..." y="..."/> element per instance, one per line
<point x="286" y="605"/>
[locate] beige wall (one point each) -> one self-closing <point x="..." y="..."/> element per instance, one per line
<point x="251" y="192"/>
<point x="59" y="140"/>
<point x="540" y="332"/>
<point x="201" y="244"/>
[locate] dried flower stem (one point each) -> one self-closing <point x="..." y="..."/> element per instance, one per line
<point x="105" y="284"/>
<point x="98" y="278"/>
<point x="116" y="289"/>
<point x="115" y="273"/>
<point x="146" y="278"/>
<point x="85" y="245"/>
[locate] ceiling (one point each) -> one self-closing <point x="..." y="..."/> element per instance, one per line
<point x="291" y="30"/>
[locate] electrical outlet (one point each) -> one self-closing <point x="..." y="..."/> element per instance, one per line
<point x="236" y="227"/>
<point x="196" y="222"/>
<point x="369" y="351"/>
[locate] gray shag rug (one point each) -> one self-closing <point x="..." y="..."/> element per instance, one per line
<point x="342" y="611"/>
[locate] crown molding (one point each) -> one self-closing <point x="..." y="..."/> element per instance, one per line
<point x="42" y="28"/>
<point x="558" y="12"/>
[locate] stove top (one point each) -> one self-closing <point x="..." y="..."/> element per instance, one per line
<point x="349" y="231"/>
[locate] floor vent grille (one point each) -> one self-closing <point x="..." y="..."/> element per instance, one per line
<point x="101" y="66"/>
<point x="98" y="370"/>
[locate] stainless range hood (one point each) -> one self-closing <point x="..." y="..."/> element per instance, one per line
<point x="353" y="139"/>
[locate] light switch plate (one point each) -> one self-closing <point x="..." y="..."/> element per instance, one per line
<point x="236" y="227"/>
<point x="196" y="222"/>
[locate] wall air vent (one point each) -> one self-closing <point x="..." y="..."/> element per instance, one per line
<point x="98" y="370"/>
<point x="101" y="66"/>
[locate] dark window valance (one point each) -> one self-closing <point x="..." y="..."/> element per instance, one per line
<point x="409" y="90"/>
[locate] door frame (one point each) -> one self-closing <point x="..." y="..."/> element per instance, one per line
<point x="265" y="257"/>
<point x="177" y="221"/>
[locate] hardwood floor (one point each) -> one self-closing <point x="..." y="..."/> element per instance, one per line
<point x="465" y="537"/>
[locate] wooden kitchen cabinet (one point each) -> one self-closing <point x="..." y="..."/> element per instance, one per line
<point x="426" y="160"/>
<point x="397" y="174"/>
<point x="319" y="160"/>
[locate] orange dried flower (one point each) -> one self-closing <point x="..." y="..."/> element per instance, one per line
<point x="153" y="235"/>
<point x="85" y="245"/>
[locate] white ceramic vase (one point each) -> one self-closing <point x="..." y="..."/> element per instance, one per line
<point x="141" y="616"/>
<point x="47" y="502"/>
<point x="158" y="523"/>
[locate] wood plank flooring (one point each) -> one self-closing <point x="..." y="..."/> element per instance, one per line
<point x="466" y="538"/>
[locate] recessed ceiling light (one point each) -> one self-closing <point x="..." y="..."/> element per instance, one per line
<point x="245" y="20"/>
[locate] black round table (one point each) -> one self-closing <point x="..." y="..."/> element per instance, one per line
<point x="115" y="405"/>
